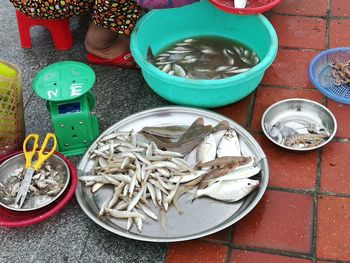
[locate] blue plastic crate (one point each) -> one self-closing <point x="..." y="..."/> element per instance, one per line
<point x="320" y="74"/>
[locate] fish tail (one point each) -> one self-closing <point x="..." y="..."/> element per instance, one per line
<point x="194" y="197"/>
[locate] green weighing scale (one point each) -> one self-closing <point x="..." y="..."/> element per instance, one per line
<point x="66" y="88"/>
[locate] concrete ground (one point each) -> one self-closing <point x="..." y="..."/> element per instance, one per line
<point x="303" y="217"/>
<point x="70" y="236"/>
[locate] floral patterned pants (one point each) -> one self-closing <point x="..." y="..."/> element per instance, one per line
<point x="117" y="15"/>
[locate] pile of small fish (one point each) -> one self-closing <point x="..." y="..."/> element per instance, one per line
<point x="341" y="73"/>
<point x="48" y="180"/>
<point x="297" y="133"/>
<point x="143" y="173"/>
<point x="205" y="58"/>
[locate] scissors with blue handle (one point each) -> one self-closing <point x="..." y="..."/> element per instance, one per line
<point x="30" y="168"/>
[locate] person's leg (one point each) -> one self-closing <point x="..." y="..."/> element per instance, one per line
<point x="113" y="21"/>
<point x="52" y="9"/>
<point x="105" y="43"/>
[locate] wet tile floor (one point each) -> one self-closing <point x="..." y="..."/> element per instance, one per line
<point x="304" y="215"/>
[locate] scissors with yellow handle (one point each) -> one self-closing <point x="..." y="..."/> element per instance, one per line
<point x="30" y="168"/>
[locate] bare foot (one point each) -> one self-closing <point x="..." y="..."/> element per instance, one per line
<point x="105" y="43"/>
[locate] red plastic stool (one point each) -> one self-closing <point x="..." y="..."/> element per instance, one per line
<point x="58" y="28"/>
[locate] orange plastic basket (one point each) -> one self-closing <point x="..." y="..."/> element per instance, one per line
<point x="11" y="111"/>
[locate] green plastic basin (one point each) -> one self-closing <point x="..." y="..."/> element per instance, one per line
<point x="160" y="28"/>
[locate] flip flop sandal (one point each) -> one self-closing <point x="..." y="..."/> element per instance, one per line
<point x="120" y="61"/>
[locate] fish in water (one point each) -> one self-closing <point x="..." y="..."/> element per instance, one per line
<point x="204" y="58"/>
<point x="229" y="191"/>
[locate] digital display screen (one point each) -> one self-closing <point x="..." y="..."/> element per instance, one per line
<point x="69" y="108"/>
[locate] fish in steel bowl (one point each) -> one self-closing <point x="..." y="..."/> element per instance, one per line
<point x="47" y="184"/>
<point x="299" y="124"/>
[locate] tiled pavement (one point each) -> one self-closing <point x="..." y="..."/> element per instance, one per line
<point x="304" y="215"/>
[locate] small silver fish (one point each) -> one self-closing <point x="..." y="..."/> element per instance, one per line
<point x="239" y="173"/>
<point x="286" y="131"/>
<point x="179" y="51"/>
<point x="116" y="194"/>
<point x="190" y="40"/>
<point x="152" y="191"/>
<point x="222" y="68"/>
<point x="189" y="61"/>
<point x="161" y="63"/>
<point x="167" y="68"/>
<point x="164" y="55"/>
<point x="179" y="71"/>
<point x="231" y="61"/>
<point x="147" y="211"/>
<point x="206" y="150"/>
<point x="123" y="214"/>
<point x="256" y="60"/>
<point x="238" y="51"/>
<point x="188" y="177"/>
<point x="162" y="58"/>
<point x="138" y="221"/>
<point x="183" y="44"/>
<point x="276" y="134"/>
<point x="189" y="57"/>
<point x="297" y="127"/>
<point x="229" y="145"/>
<point x="130" y="223"/>
<point x="247" y="61"/>
<point x="203" y="70"/>
<point x="182" y="48"/>
<point x="54" y="192"/>
<point x="208" y="51"/>
<point x="96" y="187"/>
<point x="237" y="71"/>
<point x="229" y="191"/>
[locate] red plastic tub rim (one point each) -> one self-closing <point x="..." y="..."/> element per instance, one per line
<point x="253" y="6"/>
<point x="9" y="218"/>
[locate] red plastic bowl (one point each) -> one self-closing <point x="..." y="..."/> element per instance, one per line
<point x="253" y="6"/>
<point x="9" y="218"/>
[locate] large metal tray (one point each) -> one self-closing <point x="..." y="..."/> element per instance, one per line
<point x="204" y="216"/>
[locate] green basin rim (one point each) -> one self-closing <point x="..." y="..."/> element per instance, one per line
<point x="242" y="77"/>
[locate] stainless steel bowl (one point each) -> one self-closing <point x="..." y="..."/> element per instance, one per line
<point x="32" y="202"/>
<point x="299" y="110"/>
